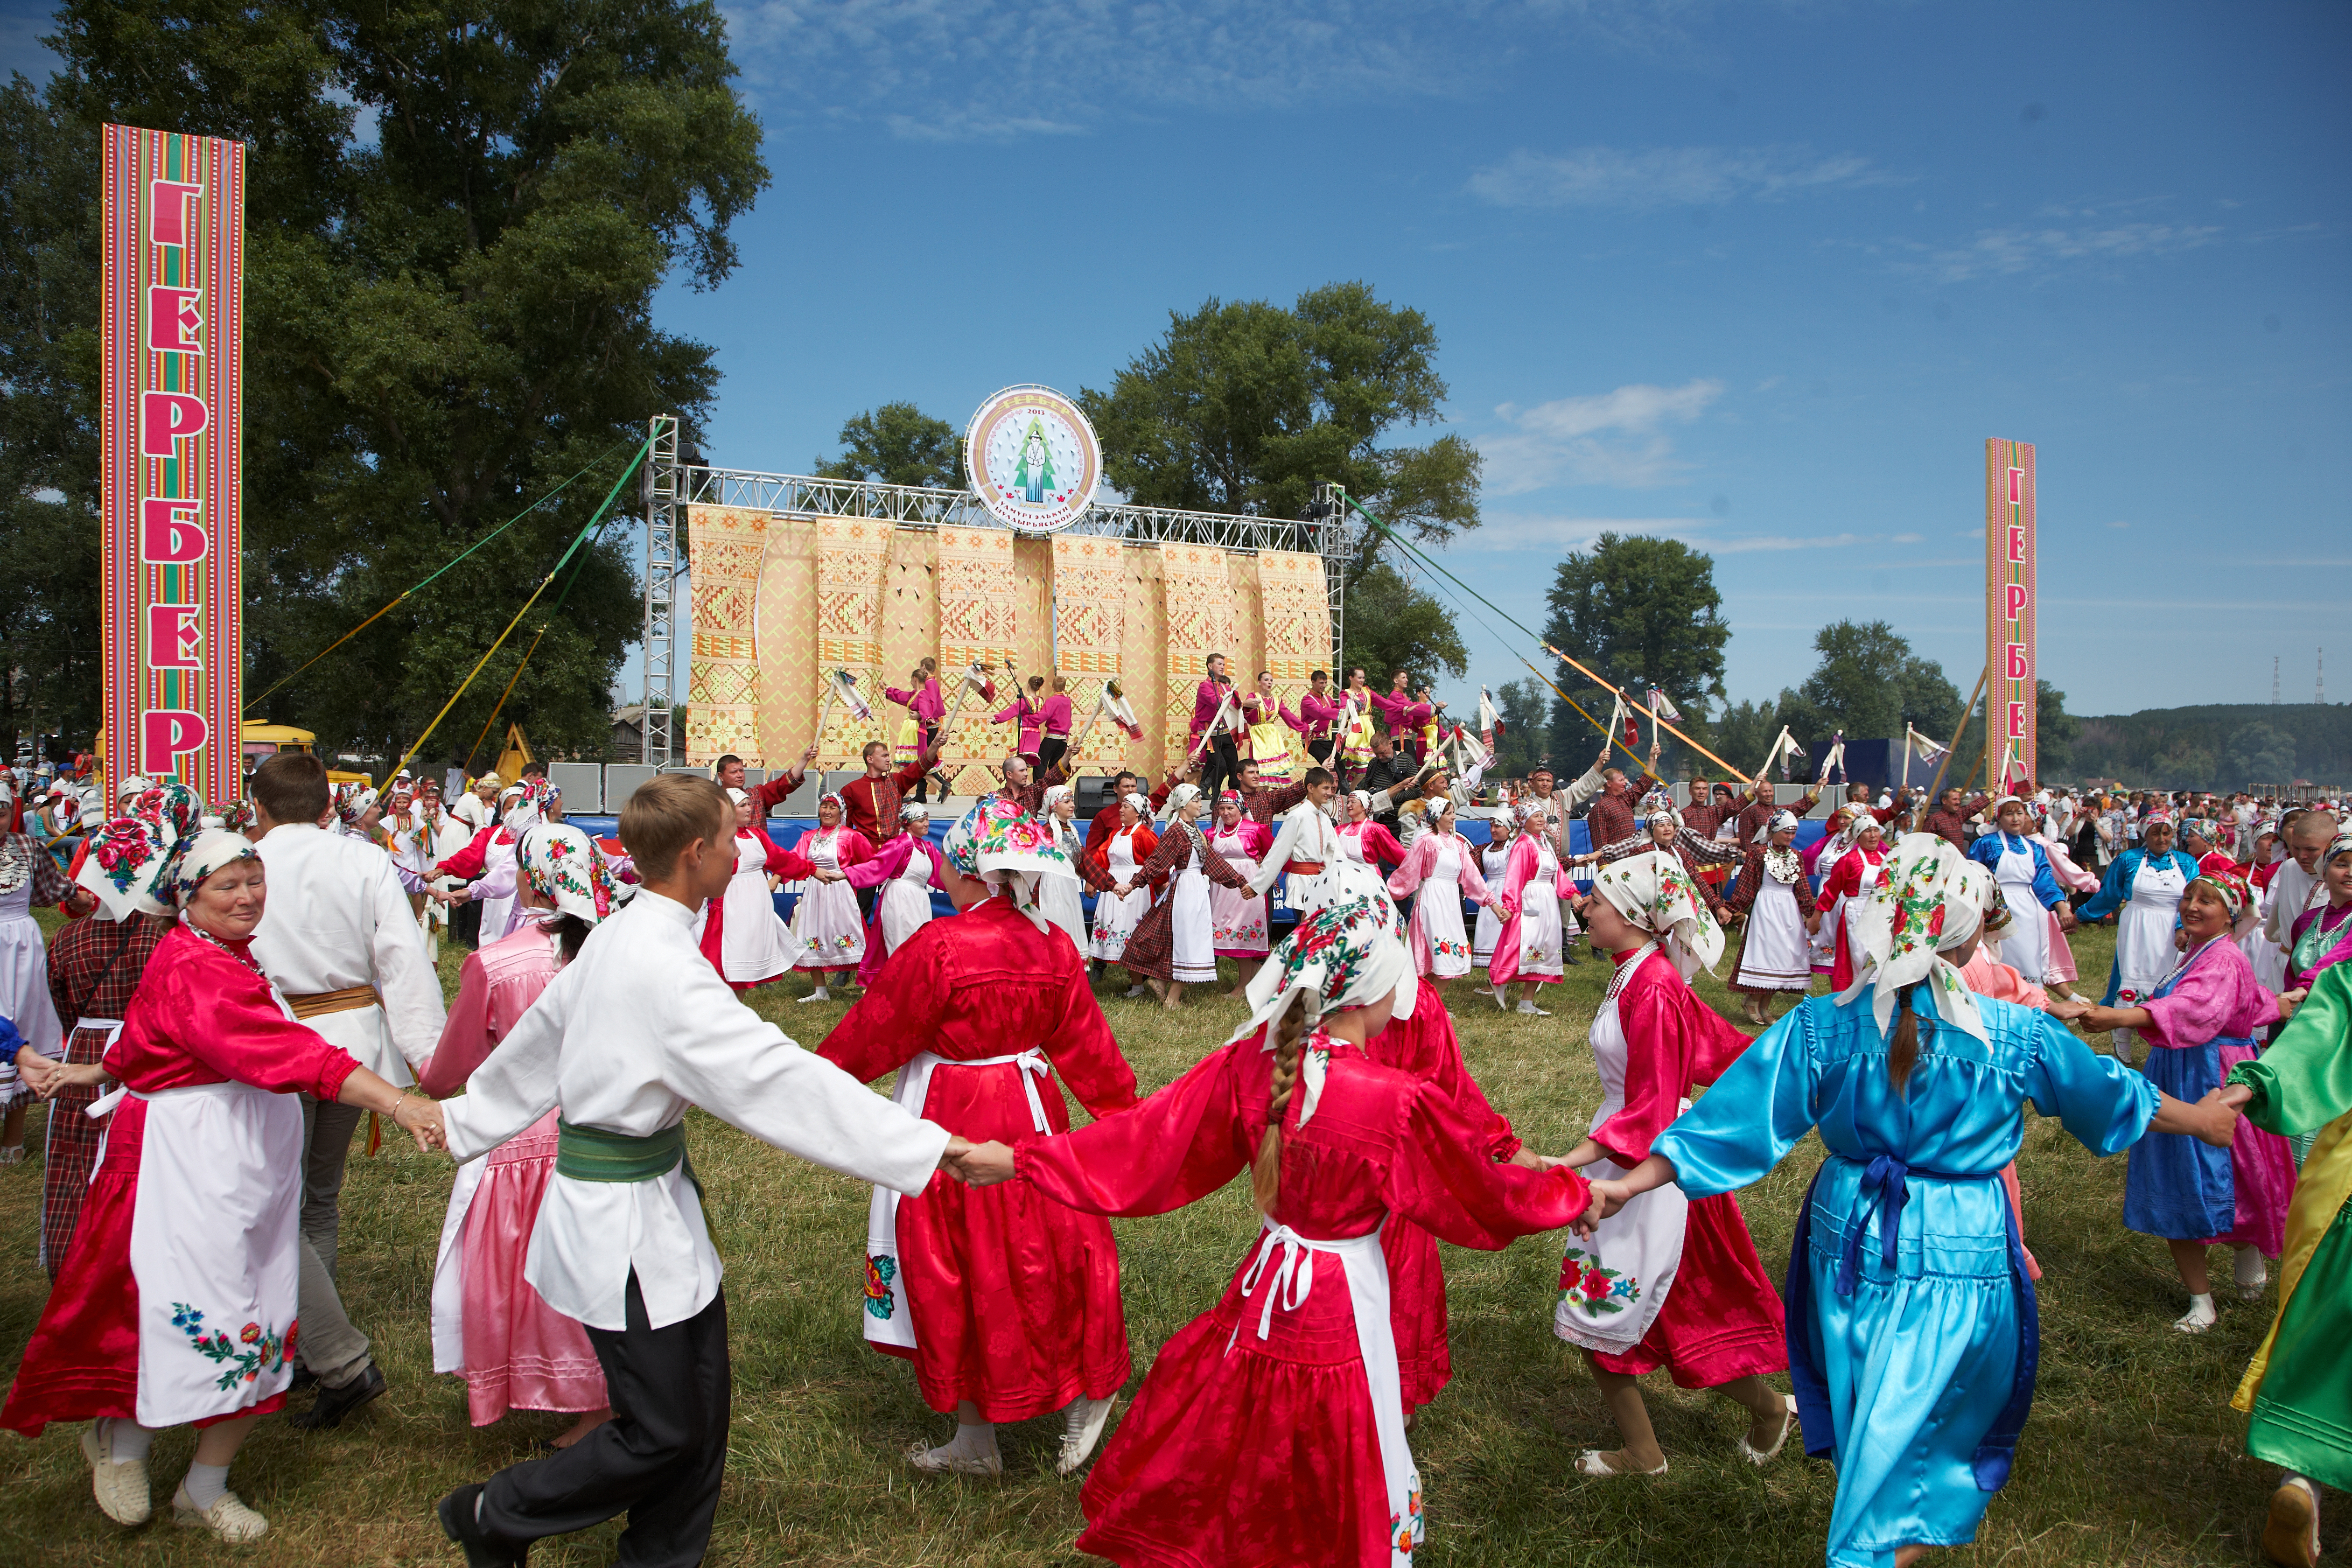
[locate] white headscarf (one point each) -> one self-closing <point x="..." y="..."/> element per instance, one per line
<point x="1346" y="955"/>
<point x="1140" y="805"/>
<point x="1654" y="891"/>
<point x="1778" y="822"/>
<point x="1933" y="901"/>
<point x="194" y="859"/>
<point x="563" y="867"/>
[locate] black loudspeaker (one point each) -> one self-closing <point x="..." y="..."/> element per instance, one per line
<point x="1094" y="794"/>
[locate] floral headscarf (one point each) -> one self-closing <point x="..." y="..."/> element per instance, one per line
<point x="1659" y="803"/>
<point x="2229" y="887"/>
<point x="1932" y="901"/>
<point x="1653" y="890"/>
<point x="193" y="859"/>
<point x="352" y="802"/>
<point x="563" y="867"/>
<point x="124" y="858"/>
<point x="1183" y="796"/>
<point x="1349" y="953"/>
<point x="997" y="836"/>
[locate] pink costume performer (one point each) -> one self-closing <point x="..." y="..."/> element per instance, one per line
<point x="514" y="1351"/>
<point x="1528" y="947"/>
<point x="1442" y="865"/>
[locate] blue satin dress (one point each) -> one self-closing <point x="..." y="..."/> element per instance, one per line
<point x="1912" y="1332"/>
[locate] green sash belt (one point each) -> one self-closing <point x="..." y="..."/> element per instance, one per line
<point x="593" y="1154"/>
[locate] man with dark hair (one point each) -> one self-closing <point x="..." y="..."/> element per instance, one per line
<point x="1106" y="822"/>
<point x="728" y="772"/>
<point x="1262" y="801"/>
<point x="1949" y="819"/>
<point x="1320" y="715"/>
<point x="1216" y="727"/>
<point x="339" y="942"/>
<point x="1389" y="768"/>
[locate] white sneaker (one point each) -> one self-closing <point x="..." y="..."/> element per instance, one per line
<point x="947" y="1460"/>
<point x="816" y="996"/>
<point x="121" y="1490"/>
<point x="1079" y="1443"/>
<point x="227" y="1518"/>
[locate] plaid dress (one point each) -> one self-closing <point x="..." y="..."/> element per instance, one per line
<point x="1152" y="947"/>
<point x="94" y="967"/>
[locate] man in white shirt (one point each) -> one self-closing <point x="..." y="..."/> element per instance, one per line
<point x="339" y="941"/>
<point x="622" y="1042"/>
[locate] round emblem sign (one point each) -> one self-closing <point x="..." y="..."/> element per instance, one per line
<point x="1033" y="458"/>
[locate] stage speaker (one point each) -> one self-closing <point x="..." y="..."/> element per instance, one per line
<point x="1094" y="794"/>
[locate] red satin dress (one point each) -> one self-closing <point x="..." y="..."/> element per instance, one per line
<point x="1014" y="1300"/>
<point x="1244" y="1450"/>
<point x="1426" y="1048"/>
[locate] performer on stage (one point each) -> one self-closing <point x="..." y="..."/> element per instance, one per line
<point x="1267" y="736"/>
<point x="2018" y="863"/>
<point x="179" y="1298"/>
<point x="829" y="938"/>
<point x="918" y="733"/>
<point x="903" y="871"/>
<point x="489" y="1326"/>
<point x="1008" y="1305"/>
<point x="1271" y="1429"/>
<point x="1529" y="948"/>
<point x="1913" y="1327"/>
<point x="2200" y="1023"/>
<point x="1317" y="717"/>
<point x="1216" y="727"/>
<point x="1441" y="868"/>
<point x="739" y="932"/>
<point x="1667" y="1282"/>
<point x="1239" y="914"/>
<point x="1775" y="898"/>
<point x="1174" y="942"/>
<point x="2142" y="890"/>
<point x="620" y="1043"/>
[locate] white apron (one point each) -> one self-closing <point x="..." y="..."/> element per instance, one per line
<point x="905" y="901"/>
<point x="2143" y="952"/>
<point x="890" y="1319"/>
<point x="2267" y="959"/>
<point x="214" y="1247"/>
<point x="1115" y="916"/>
<point x="1193" y="937"/>
<point x="1777" y="955"/>
<point x="1624" y="1270"/>
<point x="1058" y="897"/>
<point x="1438" y="911"/>
<point x="1239" y="914"/>
<point x="24" y="973"/>
<point x="1366" y="1269"/>
<point x="2026" y="947"/>
<point x="1492" y="862"/>
<point x="753" y="944"/>
<point x="497" y="914"/>
<point x="826" y="930"/>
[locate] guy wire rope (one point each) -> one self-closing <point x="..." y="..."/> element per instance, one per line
<point x="568" y="583"/>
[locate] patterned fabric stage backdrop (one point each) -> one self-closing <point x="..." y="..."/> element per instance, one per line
<point x="980" y="600"/>
<point x="781" y="601"/>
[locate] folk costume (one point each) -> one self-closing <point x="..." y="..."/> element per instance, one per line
<point x="620" y="1043"/>
<point x="2203" y="1018"/>
<point x="1442" y="869"/>
<point x="489" y="1326"/>
<point x="1494" y="859"/>
<point x="996" y="1295"/>
<point x="1852" y="883"/>
<point x="1175" y="940"/>
<point x="827" y="931"/>
<point x="1668" y="1280"/>
<point x="906" y="870"/>
<point x="1912" y="1325"/>
<point x="741" y="933"/>
<point x="1295" y="1372"/>
<point x="1265" y="738"/>
<point x="29" y="875"/>
<point x="1059" y="897"/>
<point x="1238" y="915"/>
<point x="2021" y="866"/>
<point x="1120" y="859"/>
<point x="1777" y="897"/>
<point x="1530" y="946"/>
<point x="2143" y="891"/>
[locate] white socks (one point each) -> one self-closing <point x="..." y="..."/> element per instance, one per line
<point x="975" y="1440"/>
<point x="2201" y="1315"/>
<point x="819" y="995"/>
<point x="124" y="1441"/>
<point x="2252" y="1274"/>
<point x="1135" y="991"/>
<point x="204" y="1485"/>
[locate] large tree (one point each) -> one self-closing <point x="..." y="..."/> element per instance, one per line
<point x="457" y="218"/>
<point x="1246" y="406"/>
<point x="1869" y="685"/>
<point x="1641" y="611"/>
<point x="898" y="444"/>
<point x="1392" y="624"/>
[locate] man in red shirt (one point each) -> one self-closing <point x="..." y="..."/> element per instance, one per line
<point x="872" y="801"/>
<point x="730" y="774"/>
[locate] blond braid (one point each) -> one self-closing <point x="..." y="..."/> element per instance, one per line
<point x="1265" y="1171"/>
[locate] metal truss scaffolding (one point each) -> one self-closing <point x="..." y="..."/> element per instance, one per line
<point x="672" y="485"/>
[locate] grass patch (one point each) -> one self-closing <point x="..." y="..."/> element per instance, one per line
<point x="2132" y="1457"/>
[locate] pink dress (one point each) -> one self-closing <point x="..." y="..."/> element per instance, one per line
<point x="515" y="1351"/>
<point x="1237" y="916"/>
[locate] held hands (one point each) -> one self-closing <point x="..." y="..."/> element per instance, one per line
<point x="977" y="1164"/>
<point x="1608" y="1196"/>
<point x="2218" y="1114"/>
<point x="2290" y="1000"/>
<point x="421" y="1119"/>
<point x="1813" y="923"/>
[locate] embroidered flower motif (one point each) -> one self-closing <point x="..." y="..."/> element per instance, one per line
<point x="880" y="1270"/>
<point x="1594" y="1288"/>
<point x="267" y="1352"/>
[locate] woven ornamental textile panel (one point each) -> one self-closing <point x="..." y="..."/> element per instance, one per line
<point x="979" y="606"/>
<point x="786" y="619"/>
<point x="1295" y="618"/>
<point x="724" y="552"/>
<point x="853" y="557"/>
<point x="1089" y="615"/>
<point x="1199" y="610"/>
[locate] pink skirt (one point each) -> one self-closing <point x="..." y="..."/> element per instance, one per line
<point x="520" y="1352"/>
<point x="2261" y="1169"/>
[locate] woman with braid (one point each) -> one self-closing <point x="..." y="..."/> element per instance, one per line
<point x="1294" y="1373"/>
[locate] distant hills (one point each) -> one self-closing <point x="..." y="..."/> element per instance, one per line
<point x="2228" y="745"/>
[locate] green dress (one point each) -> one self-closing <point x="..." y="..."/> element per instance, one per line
<point x="2298" y="1389"/>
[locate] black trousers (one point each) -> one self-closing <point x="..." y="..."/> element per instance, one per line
<point x="1323" y="751"/>
<point x="1220" y="765"/>
<point x="465" y="924"/>
<point x="1051" y="750"/>
<point x="659" y="1459"/>
<point x="925" y="732"/>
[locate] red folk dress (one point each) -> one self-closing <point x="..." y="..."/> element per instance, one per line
<point x="1720" y="1317"/>
<point x="489" y="1326"/>
<point x="996" y="1295"/>
<point x="178" y="1298"/>
<point x="1253" y="1440"/>
<point x="1425" y="1047"/>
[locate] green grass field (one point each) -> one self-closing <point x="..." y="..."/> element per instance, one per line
<point x="2132" y="1455"/>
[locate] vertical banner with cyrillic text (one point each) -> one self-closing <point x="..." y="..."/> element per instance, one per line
<point x="171" y="416"/>
<point x="2011" y="609"/>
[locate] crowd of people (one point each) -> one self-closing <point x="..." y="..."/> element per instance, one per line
<point x="237" y="987"/>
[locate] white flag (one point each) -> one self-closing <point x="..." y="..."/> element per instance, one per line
<point x="1926" y="750"/>
<point x="845" y="685"/>
<point x="1661" y="706"/>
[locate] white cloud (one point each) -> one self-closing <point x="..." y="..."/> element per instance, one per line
<point x="1667" y="176"/>
<point x="1613" y="439"/>
<point x="2006" y="252"/>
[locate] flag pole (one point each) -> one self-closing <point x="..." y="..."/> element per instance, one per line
<point x="1949" y="751"/>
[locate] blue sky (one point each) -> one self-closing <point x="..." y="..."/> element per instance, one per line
<point x="1762" y="277"/>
